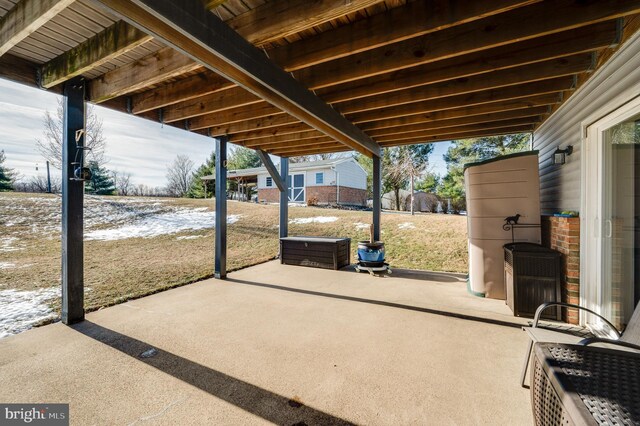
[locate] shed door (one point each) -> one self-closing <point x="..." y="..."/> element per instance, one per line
<point x="295" y="183"/>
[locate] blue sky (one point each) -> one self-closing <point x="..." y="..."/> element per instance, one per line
<point x="135" y="145"/>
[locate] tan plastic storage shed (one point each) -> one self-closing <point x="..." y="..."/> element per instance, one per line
<point x="495" y="189"/>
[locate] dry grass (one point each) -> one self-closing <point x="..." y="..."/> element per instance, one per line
<point x="127" y="268"/>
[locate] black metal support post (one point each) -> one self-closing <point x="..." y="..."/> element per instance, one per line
<point x="284" y="198"/>
<point x="377" y="195"/>
<point x="221" y="208"/>
<point x="72" y="202"/>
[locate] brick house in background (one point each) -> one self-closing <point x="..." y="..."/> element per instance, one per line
<point x="326" y="182"/>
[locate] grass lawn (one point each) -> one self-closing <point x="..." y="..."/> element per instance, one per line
<point x="145" y="259"/>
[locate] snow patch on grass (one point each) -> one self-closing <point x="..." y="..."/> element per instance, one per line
<point x="7" y="265"/>
<point x="361" y="225"/>
<point x="21" y="310"/>
<point x="7" y="244"/>
<point x="189" y="237"/>
<point x="317" y="219"/>
<point x="406" y="225"/>
<point x="155" y="225"/>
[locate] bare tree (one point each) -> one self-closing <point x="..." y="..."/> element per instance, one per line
<point x="38" y="184"/>
<point x="122" y="182"/>
<point x="50" y="146"/>
<point x="180" y="176"/>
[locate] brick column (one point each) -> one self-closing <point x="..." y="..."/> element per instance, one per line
<point x="563" y="234"/>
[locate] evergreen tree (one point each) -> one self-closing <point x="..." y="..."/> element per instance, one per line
<point x="101" y="182"/>
<point x="6" y="175"/>
<point x="466" y="151"/>
<point x="197" y="188"/>
<point x="243" y="158"/>
<point x="429" y="183"/>
<point x="367" y="165"/>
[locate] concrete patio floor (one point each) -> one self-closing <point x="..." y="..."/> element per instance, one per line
<point x="285" y="345"/>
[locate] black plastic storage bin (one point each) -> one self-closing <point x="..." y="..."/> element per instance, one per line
<point x="532" y="276"/>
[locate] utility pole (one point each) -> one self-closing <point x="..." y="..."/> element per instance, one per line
<point x="412" y="188"/>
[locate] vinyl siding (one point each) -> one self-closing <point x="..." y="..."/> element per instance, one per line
<point x="351" y="175"/>
<point x="613" y="85"/>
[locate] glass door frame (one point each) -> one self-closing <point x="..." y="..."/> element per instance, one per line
<point x="593" y="210"/>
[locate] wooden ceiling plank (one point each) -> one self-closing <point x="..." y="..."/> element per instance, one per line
<point x="191" y="28"/>
<point x="528" y="52"/>
<point x="150" y="70"/>
<point x="477" y="98"/>
<point x="321" y="149"/>
<point x="294" y="142"/>
<point x="398" y="24"/>
<point x="445" y="137"/>
<point x="103" y="47"/>
<point x="463" y="129"/>
<point x="311" y="136"/>
<point x="517" y="25"/>
<point x="535" y="112"/>
<point x="275" y="20"/>
<point x="265" y="122"/>
<point x="519" y="104"/>
<point x="503" y="78"/>
<point x="201" y="84"/>
<point x="219" y="101"/>
<point x="269" y="132"/>
<point x="26" y="17"/>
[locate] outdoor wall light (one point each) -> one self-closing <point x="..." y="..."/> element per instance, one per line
<point x="560" y="155"/>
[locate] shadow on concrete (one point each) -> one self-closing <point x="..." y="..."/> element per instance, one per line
<point x="381" y="303"/>
<point x="253" y="399"/>
<point x="413" y="274"/>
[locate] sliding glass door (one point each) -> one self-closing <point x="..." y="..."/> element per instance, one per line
<point x="613" y="217"/>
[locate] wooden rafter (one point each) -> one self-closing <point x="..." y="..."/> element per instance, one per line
<point x="457" y="136"/>
<point x="26" y="17"/>
<point x="258" y="26"/>
<point x="555" y="46"/>
<point x="190" y="28"/>
<point x="524" y="23"/>
<point x="104" y="46"/>
<point x="398" y="24"/>
<point x="535" y="112"/>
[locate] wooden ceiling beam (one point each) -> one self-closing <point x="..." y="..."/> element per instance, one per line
<point x="398" y="24"/>
<point x="210" y="104"/>
<point x="320" y="149"/>
<point x="458" y="136"/>
<point x="519" y="104"/>
<point x="578" y="40"/>
<point x="296" y="143"/>
<point x="257" y="26"/>
<point x="191" y="28"/>
<point x="524" y="23"/>
<point x="275" y="20"/>
<point x="147" y="71"/>
<point x="26" y="17"/>
<point x="310" y="136"/>
<point x="509" y="77"/>
<point x="95" y="51"/>
<point x="477" y="98"/>
<point x="261" y="133"/>
<point x="534" y="114"/>
<point x="501" y="124"/>
<point x="265" y="122"/>
<point x="529" y="52"/>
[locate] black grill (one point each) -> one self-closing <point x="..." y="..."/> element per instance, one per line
<point x="532" y="275"/>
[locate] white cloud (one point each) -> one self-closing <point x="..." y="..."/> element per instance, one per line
<point x="136" y="145"/>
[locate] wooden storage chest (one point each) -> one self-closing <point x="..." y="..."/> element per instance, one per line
<point x="317" y="252"/>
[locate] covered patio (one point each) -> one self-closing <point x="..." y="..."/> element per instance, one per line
<point x="276" y="344"/>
